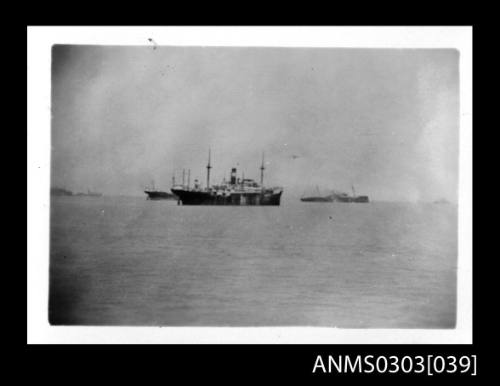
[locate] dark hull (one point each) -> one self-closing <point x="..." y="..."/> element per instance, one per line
<point x="88" y="194"/>
<point x="158" y="195"/>
<point x="205" y="198"/>
<point x="317" y="199"/>
<point x="351" y="199"/>
<point x="60" y="192"/>
<point x="336" y="198"/>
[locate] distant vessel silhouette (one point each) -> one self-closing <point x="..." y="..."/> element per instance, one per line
<point x="317" y="198"/>
<point x="89" y="194"/>
<point x="336" y="196"/>
<point x="441" y="201"/>
<point x="60" y="192"/>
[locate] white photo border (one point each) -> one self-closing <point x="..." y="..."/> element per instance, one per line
<point x="40" y="41"/>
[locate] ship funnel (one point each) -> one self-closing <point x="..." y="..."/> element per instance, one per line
<point x="262" y="171"/>
<point x="233" y="176"/>
<point x="208" y="169"/>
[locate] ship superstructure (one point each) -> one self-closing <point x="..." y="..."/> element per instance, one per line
<point x="236" y="191"/>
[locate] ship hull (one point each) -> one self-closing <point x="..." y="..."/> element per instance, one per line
<point x="337" y="198"/>
<point x="358" y="199"/>
<point x="317" y="199"/>
<point x="235" y="199"/>
<point x="158" y="195"/>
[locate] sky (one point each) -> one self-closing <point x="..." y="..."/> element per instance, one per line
<point x="383" y="120"/>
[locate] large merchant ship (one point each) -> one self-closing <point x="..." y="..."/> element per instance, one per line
<point x="236" y="191"/>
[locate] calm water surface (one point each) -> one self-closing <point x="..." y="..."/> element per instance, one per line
<point x="129" y="261"/>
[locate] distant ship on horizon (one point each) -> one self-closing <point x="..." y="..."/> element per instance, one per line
<point x="54" y="191"/>
<point x="317" y="198"/>
<point x="335" y="196"/>
<point x="89" y="194"/>
<point x="441" y="201"/>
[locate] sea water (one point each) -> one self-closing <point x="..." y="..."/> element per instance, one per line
<point x="130" y="261"/>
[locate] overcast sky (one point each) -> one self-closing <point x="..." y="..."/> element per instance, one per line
<point x="383" y="120"/>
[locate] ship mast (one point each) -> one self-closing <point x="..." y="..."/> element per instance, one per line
<point x="353" y="191"/>
<point x="208" y="170"/>
<point x="262" y="171"/>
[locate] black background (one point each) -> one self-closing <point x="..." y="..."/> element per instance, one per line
<point x="173" y="364"/>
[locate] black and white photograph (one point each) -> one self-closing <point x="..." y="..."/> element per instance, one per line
<point x="253" y="186"/>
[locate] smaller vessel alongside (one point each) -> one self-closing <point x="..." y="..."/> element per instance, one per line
<point x="154" y="194"/>
<point x="159" y="195"/>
